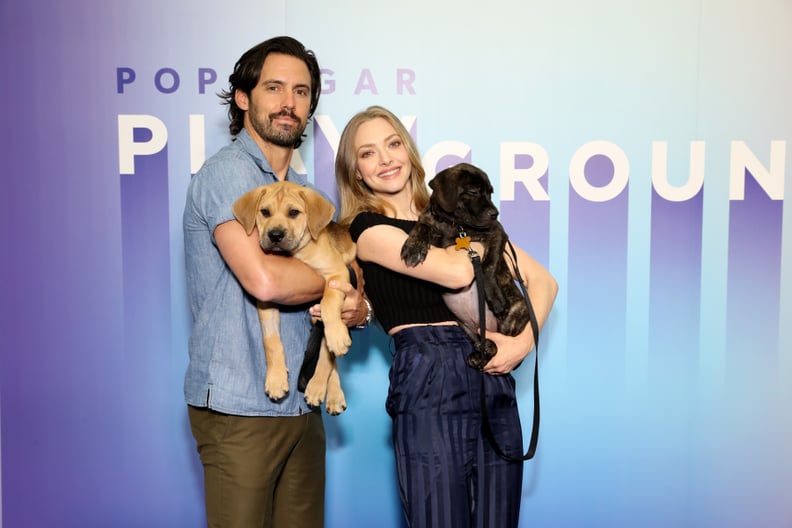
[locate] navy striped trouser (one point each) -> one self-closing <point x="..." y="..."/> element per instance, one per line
<point x="449" y="475"/>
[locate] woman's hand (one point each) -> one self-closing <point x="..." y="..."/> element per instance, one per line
<point x="511" y="351"/>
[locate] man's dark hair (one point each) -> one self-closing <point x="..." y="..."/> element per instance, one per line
<point x="247" y="71"/>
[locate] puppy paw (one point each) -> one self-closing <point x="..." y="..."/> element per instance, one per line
<point x="474" y="360"/>
<point x="336" y="402"/>
<point x="480" y="357"/>
<point x="337" y="338"/>
<point x="414" y="251"/>
<point x="276" y="384"/>
<point x="315" y="392"/>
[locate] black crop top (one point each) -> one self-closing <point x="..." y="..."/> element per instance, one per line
<point x="398" y="299"/>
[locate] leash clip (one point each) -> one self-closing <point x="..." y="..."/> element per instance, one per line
<point x="463" y="242"/>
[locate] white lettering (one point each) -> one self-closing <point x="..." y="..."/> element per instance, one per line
<point x="128" y="148"/>
<point x="660" y="172"/>
<point x="329" y="131"/>
<point x="771" y="180"/>
<point x="529" y="176"/>
<point x="441" y="150"/>
<point x="577" y="171"/>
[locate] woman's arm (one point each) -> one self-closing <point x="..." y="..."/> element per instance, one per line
<point x="269" y="278"/>
<point x="448" y="267"/>
<point x="542" y="289"/>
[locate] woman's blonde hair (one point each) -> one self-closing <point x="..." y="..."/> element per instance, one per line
<point x="355" y="196"/>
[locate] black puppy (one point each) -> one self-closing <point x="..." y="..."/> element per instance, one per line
<point x="461" y="207"/>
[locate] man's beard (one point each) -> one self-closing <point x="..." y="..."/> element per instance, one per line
<point x="283" y="137"/>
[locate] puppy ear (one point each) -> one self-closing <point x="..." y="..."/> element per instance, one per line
<point x="445" y="192"/>
<point x="318" y="210"/>
<point x="485" y="178"/>
<point x="246" y="208"/>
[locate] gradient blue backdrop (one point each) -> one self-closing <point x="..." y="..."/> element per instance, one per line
<point x="665" y="367"/>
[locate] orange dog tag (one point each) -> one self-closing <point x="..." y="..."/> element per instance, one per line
<point x="462" y="243"/>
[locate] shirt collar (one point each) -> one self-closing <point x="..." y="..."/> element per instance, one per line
<point x="250" y="146"/>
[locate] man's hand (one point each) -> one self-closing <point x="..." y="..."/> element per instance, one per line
<point x="354" y="310"/>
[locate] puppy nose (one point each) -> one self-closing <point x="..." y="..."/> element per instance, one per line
<point x="275" y="235"/>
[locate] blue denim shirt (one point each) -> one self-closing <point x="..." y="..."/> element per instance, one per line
<point x="227" y="368"/>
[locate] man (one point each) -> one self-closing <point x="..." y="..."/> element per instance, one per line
<point x="264" y="460"/>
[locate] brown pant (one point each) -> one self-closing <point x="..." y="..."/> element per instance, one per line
<point x="262" y="472"/>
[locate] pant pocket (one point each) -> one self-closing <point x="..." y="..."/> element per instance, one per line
<point x="411" y="380"/>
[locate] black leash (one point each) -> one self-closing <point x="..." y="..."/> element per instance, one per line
<point x="476" y="259"/>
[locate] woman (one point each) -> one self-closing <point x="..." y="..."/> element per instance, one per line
<point x="449" y="475"/>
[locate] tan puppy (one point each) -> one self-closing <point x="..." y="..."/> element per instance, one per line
<point x="297" y="221"/>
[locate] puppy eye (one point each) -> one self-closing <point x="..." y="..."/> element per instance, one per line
<point x="265" y="213"/>
<point x="294" y="213"/>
